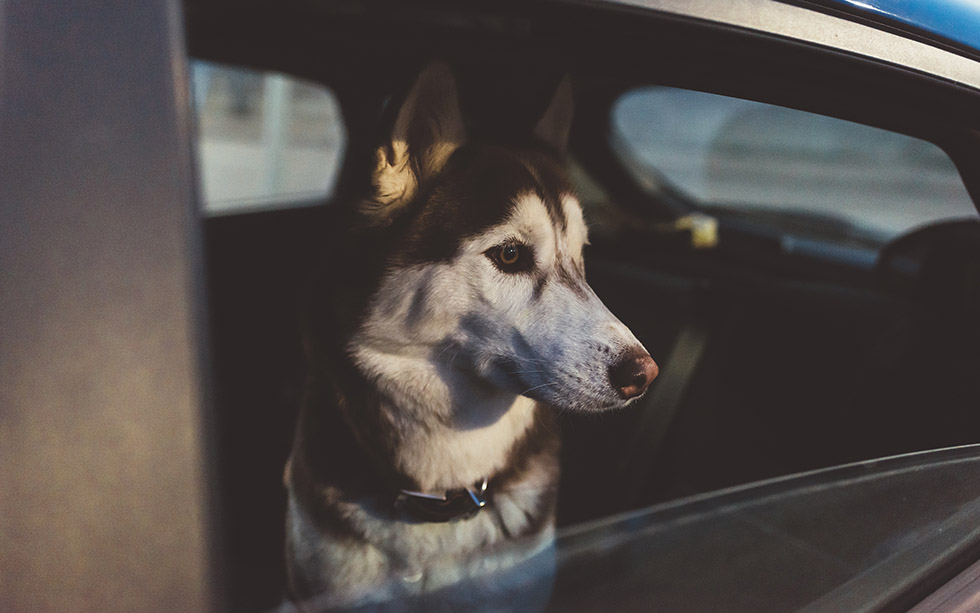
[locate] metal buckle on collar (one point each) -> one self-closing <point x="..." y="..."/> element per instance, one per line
<point x="455" y="504"/>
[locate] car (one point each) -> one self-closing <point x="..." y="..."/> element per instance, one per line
<point x="783" y="207"/>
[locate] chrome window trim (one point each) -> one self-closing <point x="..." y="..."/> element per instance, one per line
<point x="962" y="593"/>
<point x="812" y="27"/>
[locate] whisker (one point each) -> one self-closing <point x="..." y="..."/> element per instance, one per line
<point x="444" y="350"/>
<point x="531" y="389"/>
<point x="536" y="360"/>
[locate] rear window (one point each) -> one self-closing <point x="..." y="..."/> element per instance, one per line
<point x="265" y="140"/>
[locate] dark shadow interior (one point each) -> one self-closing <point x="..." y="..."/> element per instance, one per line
<point x="801" y="363"/>
<point x="795" y="375"/>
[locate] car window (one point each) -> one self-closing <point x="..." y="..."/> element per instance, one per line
<point x="830" y="540"/>
<point x="747" y="156"/>
<point x="265" y="139"/>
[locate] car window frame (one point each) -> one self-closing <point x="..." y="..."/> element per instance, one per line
<point x="592" y="40"/>
<point x="105" y="411"/>
<point x="935" y="113"/>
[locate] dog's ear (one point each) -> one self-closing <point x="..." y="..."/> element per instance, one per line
<point x="556" y="123"/>
<point x="427" y="130"/>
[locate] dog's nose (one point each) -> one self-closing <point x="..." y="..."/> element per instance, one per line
<point x="633" y="374"/>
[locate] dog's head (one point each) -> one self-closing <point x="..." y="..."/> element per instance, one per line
<point x="484" y="280"/>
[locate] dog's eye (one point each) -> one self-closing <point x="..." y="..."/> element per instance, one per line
<point x="511" y="257"/>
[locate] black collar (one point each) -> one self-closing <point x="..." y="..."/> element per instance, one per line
<point x="460" y="503"/>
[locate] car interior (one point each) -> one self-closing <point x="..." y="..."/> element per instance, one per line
<point x="786" y="342"/>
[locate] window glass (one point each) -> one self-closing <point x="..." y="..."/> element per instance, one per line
<point x="265" y="140"/>
<point x="747" y="156"/>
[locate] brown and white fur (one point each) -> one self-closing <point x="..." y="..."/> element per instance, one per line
<point x="456" y="320"/>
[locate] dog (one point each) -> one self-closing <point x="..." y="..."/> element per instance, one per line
<point x="454" y="322"/>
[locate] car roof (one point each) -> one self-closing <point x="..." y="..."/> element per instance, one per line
<point x="956" y="21"/>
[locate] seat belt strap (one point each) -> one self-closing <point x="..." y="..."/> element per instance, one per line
<point x="658" y="408"/>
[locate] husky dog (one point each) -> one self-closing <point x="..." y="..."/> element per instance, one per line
<point x="461" y="321"/>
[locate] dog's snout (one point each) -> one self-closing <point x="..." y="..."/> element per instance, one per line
<point x="633" y="374"/>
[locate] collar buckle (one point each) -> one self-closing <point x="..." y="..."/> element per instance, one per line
<point x="460" y="503"/>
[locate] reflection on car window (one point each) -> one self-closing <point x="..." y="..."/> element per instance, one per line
<point x="844" y="539"/>
<point x="743" y="155"/>
<point x="265" y="140"/>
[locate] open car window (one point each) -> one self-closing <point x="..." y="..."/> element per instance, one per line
<point x="265" y="140"/>
<point x="772" y="162"/>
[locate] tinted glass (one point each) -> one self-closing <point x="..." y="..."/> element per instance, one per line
<point x="863" y="537"/>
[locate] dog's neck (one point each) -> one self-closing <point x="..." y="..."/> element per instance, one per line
<point x="446" y="429"/>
